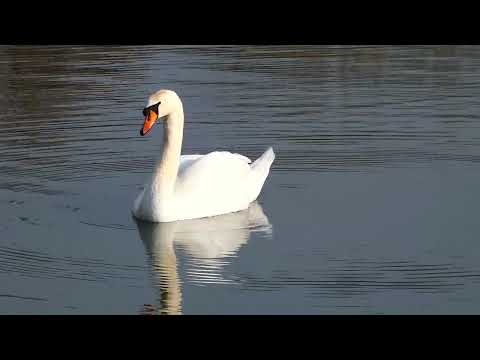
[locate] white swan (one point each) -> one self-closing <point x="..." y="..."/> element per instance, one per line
<point x="194" y="186"/>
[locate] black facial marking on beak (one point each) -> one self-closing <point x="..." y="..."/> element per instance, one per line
<point x="153" y="108"/>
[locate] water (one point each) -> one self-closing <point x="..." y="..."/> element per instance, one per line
<point x="371" y="205"/>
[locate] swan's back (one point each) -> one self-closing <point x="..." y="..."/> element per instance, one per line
<point x="213" y="174"/>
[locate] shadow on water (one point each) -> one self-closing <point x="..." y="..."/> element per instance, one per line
<point x="210" y="245"/>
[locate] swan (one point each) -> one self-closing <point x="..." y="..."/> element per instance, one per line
<point x="194" y="186"/>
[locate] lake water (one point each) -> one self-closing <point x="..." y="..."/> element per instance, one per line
<point x="371" y="206"/>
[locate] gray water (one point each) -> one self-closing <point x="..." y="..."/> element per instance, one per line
<point x="371" y="205"/>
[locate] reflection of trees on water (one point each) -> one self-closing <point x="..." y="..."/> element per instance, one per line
<point x="57" y="97"/>
<point x="346" y="107"/>
<point x="347" y="60"/>
<point x="323" y="106"/>
<point x="45" y="83"/>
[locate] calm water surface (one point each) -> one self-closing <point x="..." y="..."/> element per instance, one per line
<point x="371" y="206"/>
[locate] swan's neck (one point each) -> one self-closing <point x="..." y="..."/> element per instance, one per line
<point x="166" y="171"/>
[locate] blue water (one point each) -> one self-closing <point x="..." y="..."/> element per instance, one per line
<point x="370" y="207"/>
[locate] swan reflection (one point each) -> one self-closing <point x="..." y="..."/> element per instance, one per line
<point x="209" y="243"/>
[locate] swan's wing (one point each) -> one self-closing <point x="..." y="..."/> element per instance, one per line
<point x="190" y="158"/>
<point x="217" y="168"/>
<point x="187" y="160"/>
<point x="184" y="158"/>
<point x="241" y="157"/>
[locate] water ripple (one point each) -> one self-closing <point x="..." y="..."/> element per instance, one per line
<point x="342" y="278"/>
<point x="37" y="264"/>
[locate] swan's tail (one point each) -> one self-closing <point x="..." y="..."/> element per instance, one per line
<point x="260" y="171"/>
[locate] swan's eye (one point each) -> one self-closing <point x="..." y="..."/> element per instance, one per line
<point x="144" y="112"/>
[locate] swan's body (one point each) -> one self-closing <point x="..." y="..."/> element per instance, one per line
<point x="195" y="186"/>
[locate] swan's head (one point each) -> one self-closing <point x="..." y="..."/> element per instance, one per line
<point x="160" y="104"/>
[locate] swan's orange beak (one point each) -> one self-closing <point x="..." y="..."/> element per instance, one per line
<point x="148" y="123"/>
